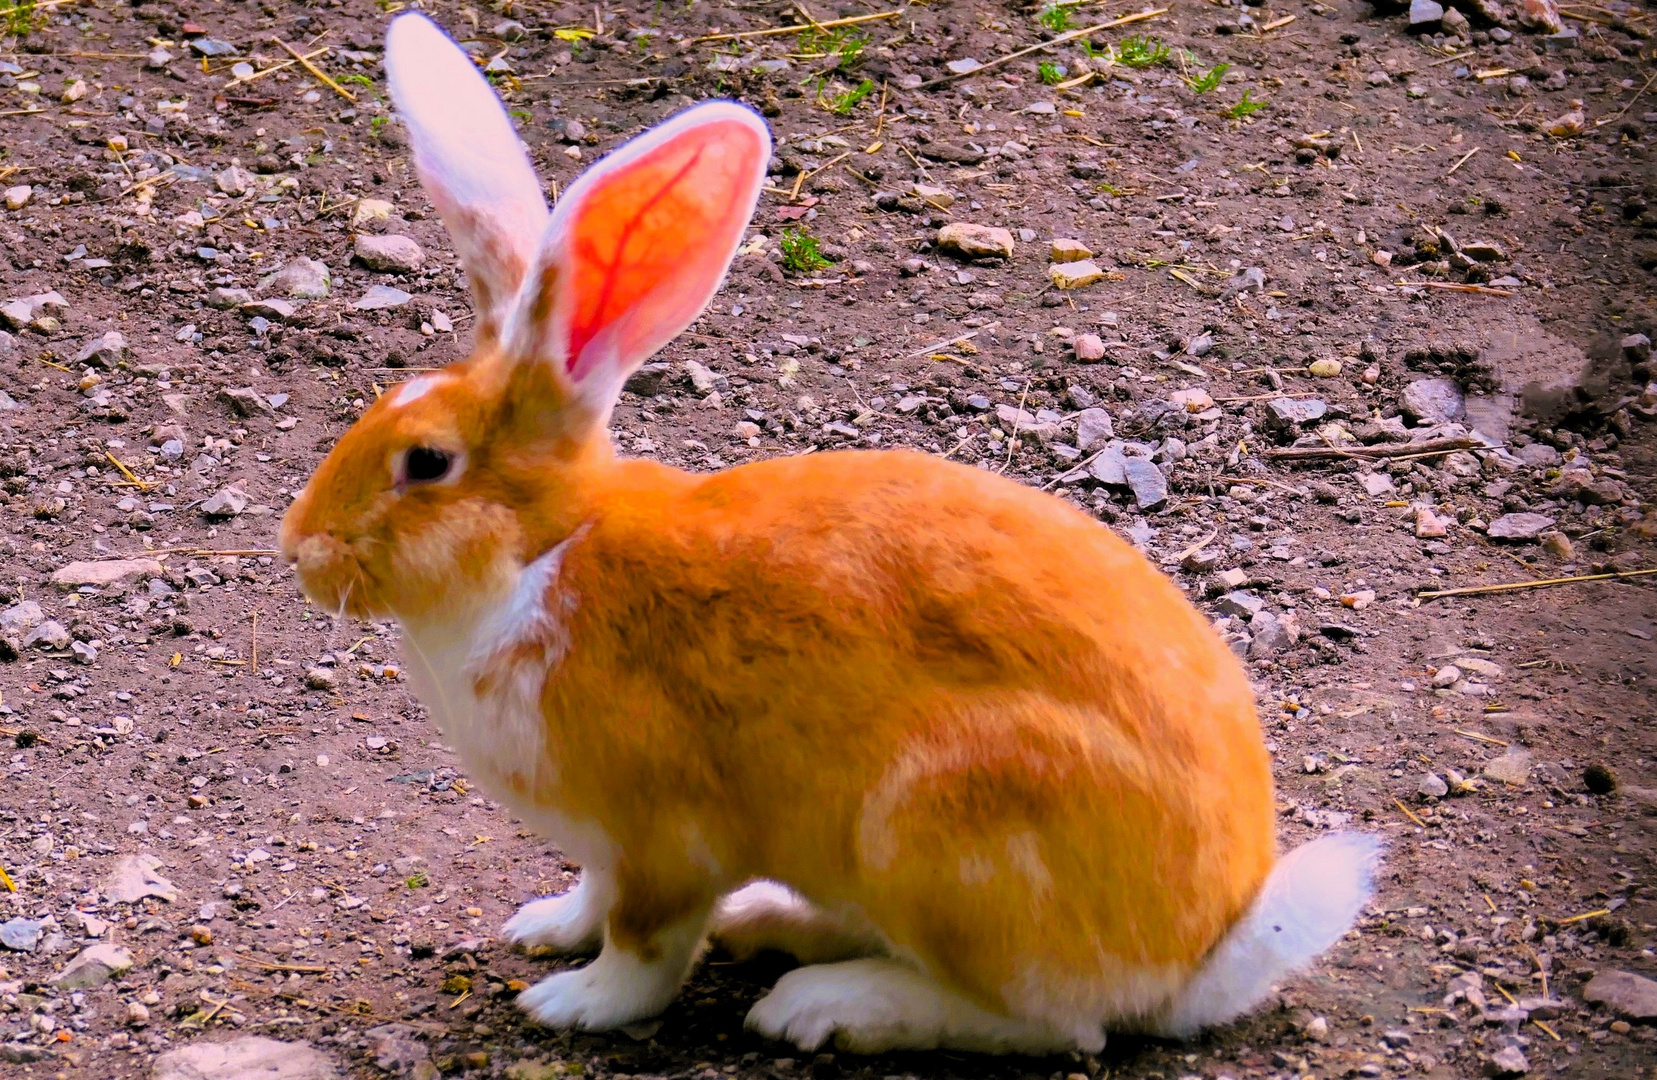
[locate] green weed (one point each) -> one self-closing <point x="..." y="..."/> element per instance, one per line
<point x="354" y="80"/>
<point x="1208" y="80"/>
<point x="1139" y="51"/>
<point x="1050" y="72"/>
<point x="1055" y="17"/>
<point x="376" y="125"/>
<point x="845" y="103"/>
<point x="800" y="254"/>
<point x="1246" y="106"/>
<point x="845" y="42"/>
<point x="19" y="17"/>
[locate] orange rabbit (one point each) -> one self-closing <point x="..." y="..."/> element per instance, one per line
<point x="950" y="742"/>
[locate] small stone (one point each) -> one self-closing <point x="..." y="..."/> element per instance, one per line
<point x="1484" y="251"/>
<point x="1359" y="599"/>
<point x="234" y="181"/>
<point x="369" y="212"/>
<point x="1433" y="787"/>
<point x="106" y="350"/>
<point x="1456" y="23"/>
<point x="17" y="197"/>
<point x="1636" y="348"/>
<point x="138" y="1014"/>
<point x="302" y="279"/>
<point x="1288" y="414"/>
<point x="1567" y="126"/>
<point x="1378" y="78"/>
<point x="21" y="935"/>
<point x="246" y="401"/>
<point x="1250" y="278"/>
<point x="1271" y="634"/>
<point x="1433" y="401"/>
<point x="389" y="254"/>
<point x="135" y="877"/>
<point x="964" y="66"/>
<point x="381" y="297"/>
<point x="1429" y="526"/>
<point x="1446" y="676"/>
<point x="1629" y="996"/>
<point x="1192" y="400"/>
<point x="224" y="298"/>
<point x="1074" y="275"/>
<point x="105" y="572"/>
<point x="1200" y="345"/>
<point x="1325" y="367"/>
<point x="1508" y="1061"/>
<point x="1065" y="251"/>
<point x="1521" y="527"/>
<point x="1093" y="429"/>
<point x="74" y="91"/>
<point x="93" y="966"/>
<point x="49" y="635"/>
<point x="229" y="502"/>
<point x="1558" y="545"/>
<point x="1145" y="479"/>
<point x="1512" y="767"/>
<point x="321" y="678"/>
<point x="273" y="308"/>
<point x="206" y="46"/>
<point x="158" y="58"/>
<point x="976" y="241"/>
<point x="1090" y="348"/>
<point x="1599" y="780"/>
<point x="250" y="1058"/>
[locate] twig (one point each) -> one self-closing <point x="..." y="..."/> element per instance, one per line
<point x="321" y="75"/>
<point x="303" y="969"/>
<point x="1515" y="586"/>
<point x="278" y="66"/>
<point x="1012" y="439"/>
<point x="1596" y="913"/>
<point x="1395" y="450"/>
<point x="1475" y="736"/>
<point x="773" y="31"/>
<point x="126" y="472"/>
<point x="1275" y="23"/>
<point x="1463" y="160"/>
<point x="1630" y="105"/>
<point x="1407" y="813"/>
<point x="1451" y="286"/>
<point x="1060" y="40"/>
<point x="935" y="346"/>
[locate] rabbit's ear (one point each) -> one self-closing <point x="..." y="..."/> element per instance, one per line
<point x="470" y="161"/>
<point x="637" y="247"/>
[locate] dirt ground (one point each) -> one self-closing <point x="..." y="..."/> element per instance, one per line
<point x="1413" y="240"/>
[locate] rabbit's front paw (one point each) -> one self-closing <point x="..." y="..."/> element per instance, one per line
<point x="571" y="922"/>
<point x="598" y="997"/>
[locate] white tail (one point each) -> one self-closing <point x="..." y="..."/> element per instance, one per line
<point x="1311" y="898"/>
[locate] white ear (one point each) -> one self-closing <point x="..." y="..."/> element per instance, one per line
<point x="637" y="247"/>
<point x="470" y="161"/>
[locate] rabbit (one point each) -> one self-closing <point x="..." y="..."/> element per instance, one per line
<point x="946" y="739"/>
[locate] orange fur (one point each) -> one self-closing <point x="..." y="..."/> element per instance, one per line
<point x="972" y="727"/>
<point x="863" y="674"/>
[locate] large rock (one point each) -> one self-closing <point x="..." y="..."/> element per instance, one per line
<point x="1145" y="479"/>
<point x="105" y="572"/>
<point x="1093" y="429"/>
<point x="975" y="241"/>
<point x="370" y="212"/>
<point x="21" y="617"/>
<point x="18" y="314"/>
<point x="303" y="279"/>
<point x="1630" y="996"/>
<point x="1074" y="275"/>
<point x="249" y="1058"/>
<point x="93" y="966"/>
<point x="1289" y="414"/>
<point x="389" y="254"/>
<point x="105" y="351"/>
<point x="1433" y="401"/>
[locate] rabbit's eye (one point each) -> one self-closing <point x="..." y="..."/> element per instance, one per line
<point x="425" y="465"/>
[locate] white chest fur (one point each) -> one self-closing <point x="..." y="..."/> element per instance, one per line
<point x="480" y="670"/>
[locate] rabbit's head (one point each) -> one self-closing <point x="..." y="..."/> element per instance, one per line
<point x="421" y="499"/>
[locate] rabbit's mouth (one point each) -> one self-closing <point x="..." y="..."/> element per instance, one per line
<point x="330" y="574"/>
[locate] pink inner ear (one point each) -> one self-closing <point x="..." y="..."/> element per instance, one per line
<point x="652" y="237"/>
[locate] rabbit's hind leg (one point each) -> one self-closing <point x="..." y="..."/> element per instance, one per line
<point x="768" y="916"/>
<point x="572" y="922"/>
<point x="875" y="1005"/>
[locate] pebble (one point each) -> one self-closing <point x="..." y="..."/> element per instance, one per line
<point x="134" y="878"/>
<point x="1193" y="400"/>
<point x="302" y="279"/>
<point x="1512" y="767"/>
<point x="1522" y="527"/>
<point x="1066" y="250"/>
<point x="138" y="1014"/>
<point x="106" y="350"/>
<point x="380" y="297"/>
<point x="389" y="254"/>
<point x="369" y="212"/>
<point x="1073" y="275"/>
<point x="1145" y="480"/>
<point x="228" y="502"/>
<point x="21" y="935"/>
<point x="1446" y="676"/>
<point x="1430" y="526"/>
<point x="158" y="58"/>
<point x="1508" y="1061"/>
<point x="93" y="966"/>
<point x="1567" y="126"/>
<point x="1093" y="429"/>
<point x="1201" y="345"/>
<point x="976" y="241"/>
<point x="1433" y="787"/>
<point x="1325" y="368"/>
<point x="1090" y="348"/>
<point x="1433" y="401"/>
<point x="104" y="572"/>
<point x="1288" y="414"/>
<point x="224" y="298"/>
<point x="18" y="196"/>
<point x="234" y="181"/>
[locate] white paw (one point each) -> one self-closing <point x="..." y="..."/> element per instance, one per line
<point x="871" y="1006"/>
<point x="570" y="922"/>
<point x="586" y="999"/>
